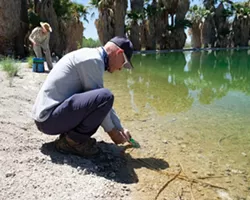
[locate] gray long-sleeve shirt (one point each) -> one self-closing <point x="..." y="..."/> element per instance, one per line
<point x="39" y="37"/>
<point x="79" y="71"/>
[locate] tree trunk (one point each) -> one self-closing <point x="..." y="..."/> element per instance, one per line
<point x="135" y="35"/>
<point x="179" y="33"/>
<point x="9" y="24"/>
<point x="241" y="29"/>
<point x="196" y="35"/>
<point x="208" y="32"/>
<point x="150" y="42"/>
<point x="47" y="13"/>
<point x="136" y="26"/>
<point x="222" y="26"/>
<point x="20" y="49"/>
<point x="71" y="38"/>
<point x="105" y="26"/>
<point x="162" y="32"/>
<point x="120" y="9"/>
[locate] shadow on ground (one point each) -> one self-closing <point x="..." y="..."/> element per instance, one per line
<point x="112" y="163"/>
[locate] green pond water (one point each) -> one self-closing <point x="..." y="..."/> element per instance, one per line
<point x="197" y="102"/>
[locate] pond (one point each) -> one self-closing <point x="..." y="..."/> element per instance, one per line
<point x="191" y="109"/>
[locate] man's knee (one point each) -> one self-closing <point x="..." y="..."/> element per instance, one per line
<point x="107" y="94"/>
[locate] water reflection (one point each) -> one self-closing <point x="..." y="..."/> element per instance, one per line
<point x="172" y="82"/>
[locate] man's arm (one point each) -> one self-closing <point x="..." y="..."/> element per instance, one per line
<point x="32" y="35"/>
<point x="112" y="125"/>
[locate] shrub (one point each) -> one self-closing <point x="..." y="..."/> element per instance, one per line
<point x="10" y="67"/>
<point x="30" y="61"/>
<point x="90" y="43"/>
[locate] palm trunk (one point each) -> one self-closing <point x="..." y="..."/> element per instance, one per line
<point x="196" y="35"/>
<point x="136" y="32"/>
<point x="24" y="27"/>
<point x="150" y="28"/>
<point x="9" y="25"/>
<point x="241" y="29"/>
<point x="105" y="26"/>
<point x="120" y="8"/>
<point x="47" y="13"/>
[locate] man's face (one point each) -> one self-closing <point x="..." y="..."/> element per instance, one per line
<point x="117" y="61"/>
<point x="44" y="30"/>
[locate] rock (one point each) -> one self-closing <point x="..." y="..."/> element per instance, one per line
<point x="210" y="173"/>
<point x="112" y="174"/>
<point x="10" y="174"/>
<point x="165" y="141"/>
<point x="174" y="119"/>
<point x="244" y="154"/>
<point x="78" y="168"/>
<point x="83" y="172"/>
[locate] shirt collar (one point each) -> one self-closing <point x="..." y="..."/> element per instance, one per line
<point x="105" y="58"/>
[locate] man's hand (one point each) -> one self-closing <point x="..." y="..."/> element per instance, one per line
<point x="119" y="137"/>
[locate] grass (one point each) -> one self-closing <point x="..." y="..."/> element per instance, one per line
<point x="10" y="67"/>
<point x="30" y="61"/>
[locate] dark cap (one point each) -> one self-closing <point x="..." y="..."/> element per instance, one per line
<point x="127" y="46"/>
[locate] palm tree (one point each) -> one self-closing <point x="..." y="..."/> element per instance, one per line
<point x="111" y="21"/>
<point x="24" y="26"/>
<point x="150" y="25"/>
<point x="241" y="24"/>
<point x="136" y="17"/>
<point x="196" y="15"/>
<point x="9" y="24"/>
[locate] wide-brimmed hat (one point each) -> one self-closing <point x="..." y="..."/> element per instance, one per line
<point x="46" y="26"/>
<point x="127" y="46"/>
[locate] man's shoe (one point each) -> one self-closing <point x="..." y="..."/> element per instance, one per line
<point x="85" y="149"/>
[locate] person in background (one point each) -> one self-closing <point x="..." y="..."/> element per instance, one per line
<point x="40" y="37"/>
<point x="73" y="103"/>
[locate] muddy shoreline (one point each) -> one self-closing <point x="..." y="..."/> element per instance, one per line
<point x="32" y="169"/>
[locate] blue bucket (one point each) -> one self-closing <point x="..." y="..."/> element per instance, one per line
<point x="38" y="65"/>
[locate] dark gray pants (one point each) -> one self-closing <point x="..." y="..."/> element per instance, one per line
<point x="80" y="115"/>
<point x="38" y="51"/>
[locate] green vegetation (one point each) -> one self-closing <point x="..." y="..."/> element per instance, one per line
<point x="90" y="43"/>
<point x="10" y="67"/>
<point x="65" y="9"/>
<point x="30" y="61"/>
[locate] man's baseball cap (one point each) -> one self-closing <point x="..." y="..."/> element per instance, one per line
<point x="126" y="45"/>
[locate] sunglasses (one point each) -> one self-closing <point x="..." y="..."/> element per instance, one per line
<point x="126" y="63"/>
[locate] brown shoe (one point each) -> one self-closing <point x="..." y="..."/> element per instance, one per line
<point x="67" y="146"/>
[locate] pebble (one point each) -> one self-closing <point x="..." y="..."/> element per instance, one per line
<point x="235" y="171"/>
<point x="10" y="174"/>
<point x="112" y="174"/>
<point x="83" y="172"/>
<point x="210" y="174"/>
<point x="165" y="141"/>
<point x="111" y="184"/>
<point x="244" y="154"/>
<point x="78" y="168"/>
<point x="194" y="171"/>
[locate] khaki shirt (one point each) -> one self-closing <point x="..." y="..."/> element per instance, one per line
<point x="39" y="37"/>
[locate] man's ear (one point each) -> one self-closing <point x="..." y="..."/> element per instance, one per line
<point x="119" y="51"/>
